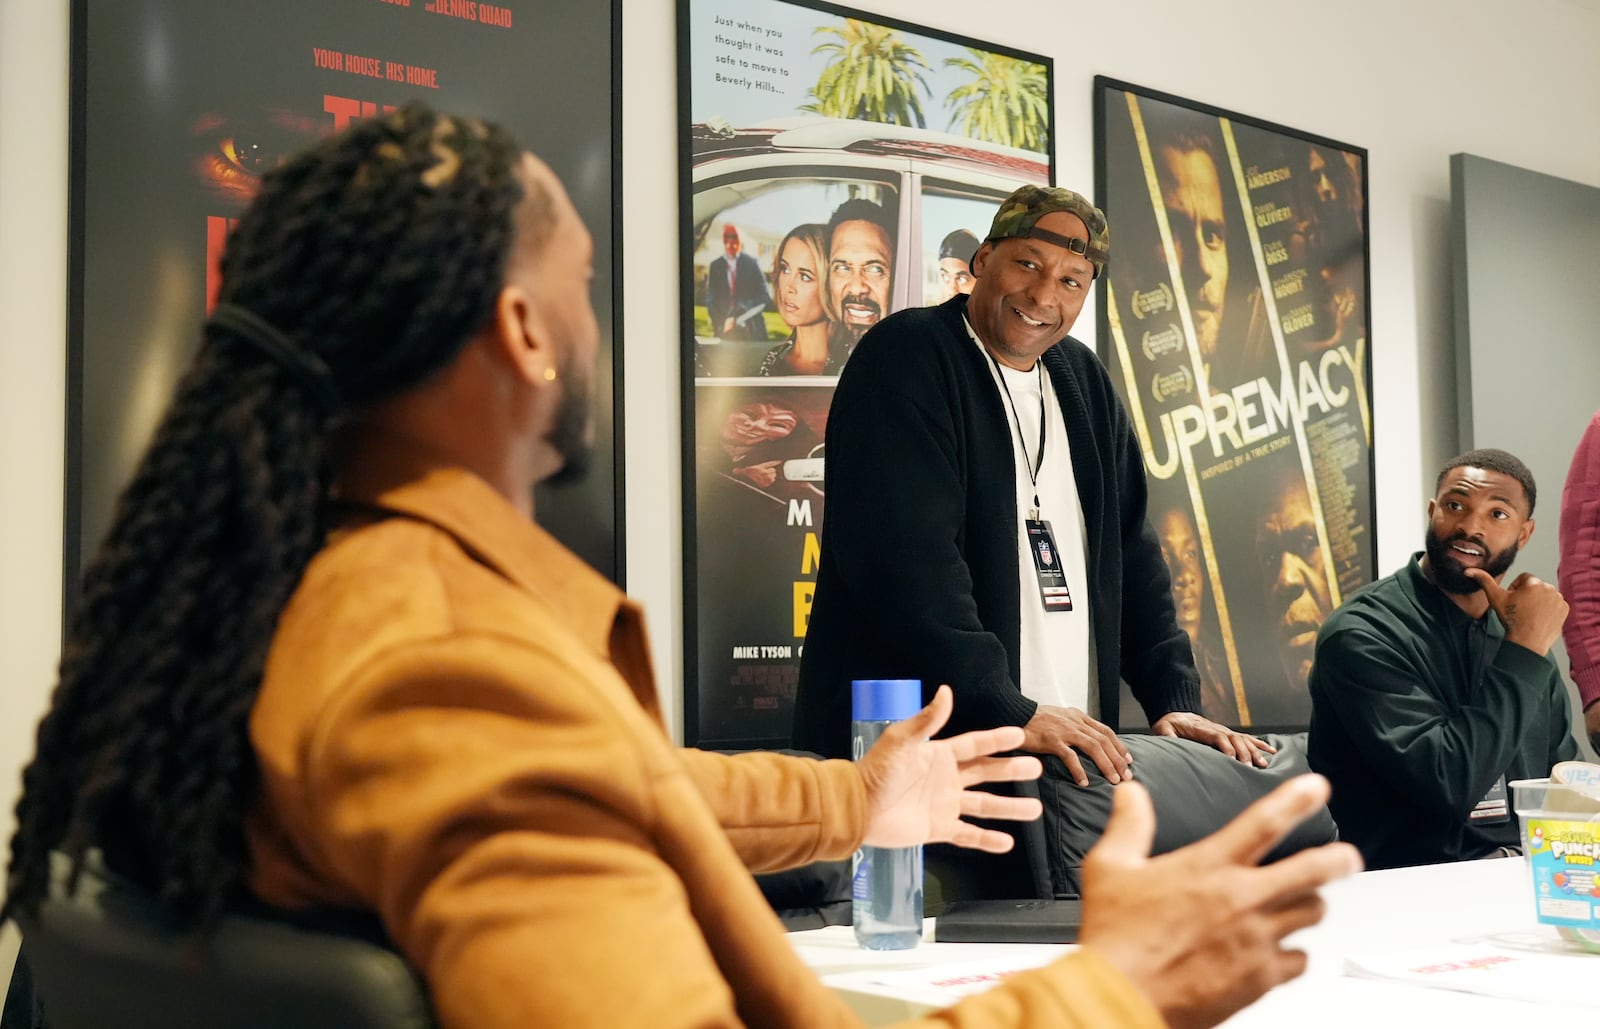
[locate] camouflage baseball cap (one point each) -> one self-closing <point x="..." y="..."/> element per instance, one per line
<point x="1020" y="212"/>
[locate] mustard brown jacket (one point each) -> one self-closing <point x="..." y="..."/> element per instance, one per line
<point x="458" y="729"/>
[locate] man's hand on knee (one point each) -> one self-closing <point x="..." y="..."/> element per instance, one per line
<point x="1240" y="746"/>
<point x="1063" y="731"/>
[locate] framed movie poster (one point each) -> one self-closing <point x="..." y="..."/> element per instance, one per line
<point x="180" y="105"/>
<point x="1233" y="319"/>
<point x="835" y="167"/>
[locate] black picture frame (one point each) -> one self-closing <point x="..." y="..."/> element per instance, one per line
<point x="752" y="437"/>
<point x="1234" y="321"/>
<point x="149" y="79"/>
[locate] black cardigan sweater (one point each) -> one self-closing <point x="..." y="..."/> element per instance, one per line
<point x="919" y="541"/>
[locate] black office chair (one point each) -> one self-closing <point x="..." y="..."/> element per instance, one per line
<point x="109" y="955"/>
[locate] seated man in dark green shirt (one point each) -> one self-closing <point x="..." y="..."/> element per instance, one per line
<point x="1432" y="688"/>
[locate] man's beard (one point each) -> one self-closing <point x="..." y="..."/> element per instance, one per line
<point x="571" y="435"/>
<point x="1450" y="574"/>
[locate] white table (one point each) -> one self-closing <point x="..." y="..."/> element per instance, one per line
<point x="1401" y="909"/>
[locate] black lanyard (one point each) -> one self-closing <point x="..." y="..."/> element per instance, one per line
<point x="1033" y="469"/>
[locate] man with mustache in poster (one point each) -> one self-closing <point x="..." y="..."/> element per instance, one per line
<point x="1191" y="190"/>
<point x="1289" y="555"/>
<point x="1434" y="687"/>
<point x="1230" y="327"/>
<point x="860" y="268"/>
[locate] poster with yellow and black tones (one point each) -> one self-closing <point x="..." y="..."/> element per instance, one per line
<point x="180" y="106"/>
<point x="836" y="167"/>
<point x="1234" y="323"/>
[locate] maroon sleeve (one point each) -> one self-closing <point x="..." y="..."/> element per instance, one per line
<point x="1579" y="569"/>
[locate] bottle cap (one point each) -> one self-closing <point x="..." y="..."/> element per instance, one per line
<point x="884" y="700"/>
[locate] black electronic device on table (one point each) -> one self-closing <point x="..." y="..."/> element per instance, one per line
<point x="1009" y="921"/>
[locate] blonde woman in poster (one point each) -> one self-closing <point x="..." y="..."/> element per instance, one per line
<point x="800" y="287"/>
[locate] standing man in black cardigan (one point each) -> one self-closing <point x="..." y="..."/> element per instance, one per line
<point x="985" y="522"/>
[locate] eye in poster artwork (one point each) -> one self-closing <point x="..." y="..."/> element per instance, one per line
<point x="837" y="167"/>
<point x="1234" y="323"/>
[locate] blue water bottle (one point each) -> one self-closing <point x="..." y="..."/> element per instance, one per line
<point x="886" y="882"/>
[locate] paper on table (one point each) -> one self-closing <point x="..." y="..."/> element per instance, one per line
<point x="1541" y="977"/>
<point x="948" y="982"/>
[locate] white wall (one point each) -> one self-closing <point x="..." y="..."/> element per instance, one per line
<point x="33" y="307"/>
<point x="1413" y="81"/>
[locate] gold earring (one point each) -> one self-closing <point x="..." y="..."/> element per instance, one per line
<point x="549" y="375"/>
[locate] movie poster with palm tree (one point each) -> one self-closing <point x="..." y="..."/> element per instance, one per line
<point x="835" y="167"/>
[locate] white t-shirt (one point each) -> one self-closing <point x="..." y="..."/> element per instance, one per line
<point x="1057" y="646"/>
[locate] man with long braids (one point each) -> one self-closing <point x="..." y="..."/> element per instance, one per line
<point x="326" y="657"/>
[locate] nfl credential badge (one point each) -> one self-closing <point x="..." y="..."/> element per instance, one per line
<point x="1047" y="565"/>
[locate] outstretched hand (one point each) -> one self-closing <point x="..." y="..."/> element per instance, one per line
<point x="1531" y="609"/>
<point x="1200" y="930"/>
<point x="917" y="786"/>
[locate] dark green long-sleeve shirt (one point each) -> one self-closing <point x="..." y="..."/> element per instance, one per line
<point x="1417" y="710"/>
